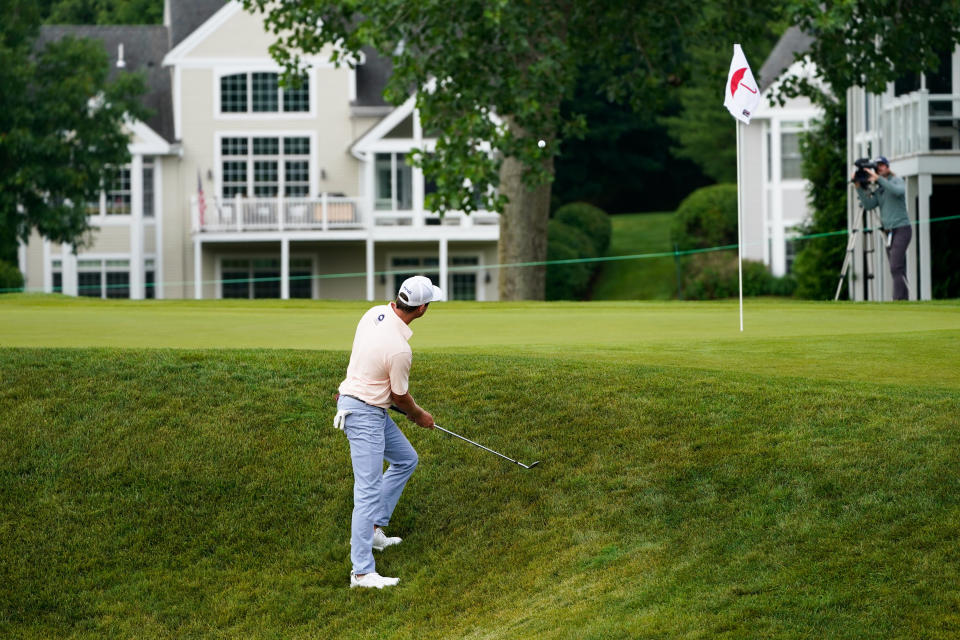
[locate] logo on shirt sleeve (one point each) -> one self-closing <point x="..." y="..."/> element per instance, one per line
<point x="380" y="318"/>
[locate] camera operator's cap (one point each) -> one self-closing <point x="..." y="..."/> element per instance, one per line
<point x="882" y="160"/>
<point x="418" y="290"/>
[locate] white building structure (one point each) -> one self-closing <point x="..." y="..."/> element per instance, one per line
<point x="240" y="188"/>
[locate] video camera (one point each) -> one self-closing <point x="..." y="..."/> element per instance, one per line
<point x="861" y="178"/>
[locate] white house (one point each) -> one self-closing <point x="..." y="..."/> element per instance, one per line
<point x="774" y="200"/>
<point x="240" y="188"/>
<point x="915" y="123"/>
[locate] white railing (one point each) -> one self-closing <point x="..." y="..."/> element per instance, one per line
<point x="320" y="213"/>
<point x="911" y="121"/>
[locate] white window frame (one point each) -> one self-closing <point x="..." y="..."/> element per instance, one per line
<point x="314" y="158"/>
<point x="102" y="258"/>
<point x="263" y="67"/>
<point x="393" y="285"/>
<point x="218" y="271"/>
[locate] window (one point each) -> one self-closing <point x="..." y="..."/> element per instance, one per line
<point x="261" y="92"/>
<point x="462" y="279"/>
<point x="394" y="182"/>
<point x="791" y="254"/>
<point x="260" y="278"/>
<point x="148" y="189"/>
<point x="118" y="192"/>
<point x="233" y="93"/>
<point x="463" y="282"/>
<point x="56" y="268"/>
<point x="276" y="165"/>
<point x="791" y="161"/>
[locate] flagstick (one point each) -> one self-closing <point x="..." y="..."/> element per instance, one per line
<point x="739" y="227"/>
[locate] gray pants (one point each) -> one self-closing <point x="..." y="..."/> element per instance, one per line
<point x="897" y="254"/>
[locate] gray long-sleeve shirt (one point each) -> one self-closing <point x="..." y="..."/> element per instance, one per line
<point x="890" y="198"/>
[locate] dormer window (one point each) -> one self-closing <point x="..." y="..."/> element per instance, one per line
<point x="260" y="92"/>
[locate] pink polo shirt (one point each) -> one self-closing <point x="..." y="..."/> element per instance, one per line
<point x="381" y="358"/>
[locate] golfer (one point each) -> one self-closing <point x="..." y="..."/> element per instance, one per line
<point x="378" y="376"/>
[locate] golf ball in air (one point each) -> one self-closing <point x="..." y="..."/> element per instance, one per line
<point x="542" y="144"/>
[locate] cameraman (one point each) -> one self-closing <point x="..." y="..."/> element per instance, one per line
<point x="889" y="196"/>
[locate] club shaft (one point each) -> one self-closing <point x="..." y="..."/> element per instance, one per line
<point x="477" y="444"/>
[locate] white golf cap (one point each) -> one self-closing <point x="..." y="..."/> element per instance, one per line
<point x="419" y="290"/>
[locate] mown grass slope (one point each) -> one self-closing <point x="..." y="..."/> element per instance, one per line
<point x="641" y="278"/>
<point x="694" y="482"/>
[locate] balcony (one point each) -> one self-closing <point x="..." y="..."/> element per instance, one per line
<point x="324" y="213"/>
<point x="920" y="122"/>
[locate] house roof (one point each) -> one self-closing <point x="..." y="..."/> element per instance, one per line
<point x="792" y="42"/>
<point x="186" y="16"/>
<point x="143" y="50"/>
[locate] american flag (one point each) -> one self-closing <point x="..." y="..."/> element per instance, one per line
<point x="201" y="203"/>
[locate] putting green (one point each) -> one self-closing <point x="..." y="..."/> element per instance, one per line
<point x="890" y="343"/>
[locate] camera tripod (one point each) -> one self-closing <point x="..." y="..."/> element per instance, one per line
<point x="868" y="249"/>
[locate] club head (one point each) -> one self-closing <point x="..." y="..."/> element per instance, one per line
<point x="532" y="465"/>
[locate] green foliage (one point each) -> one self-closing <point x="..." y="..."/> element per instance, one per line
<point x="568" y="281"/>
<point x="707" y="218"/>
<point x="592" y="221"/>
<point x="61" y="128"/>
<point x="623" y="162"/>
<point x="715" y="275"/>
<point x="518" y="60"/>
<point x="819" y="260"/>
<point x="704" y="131"/>
<point x="105" y="12"/>
<point x="871" y="44"/>
<point x="10" y="277"/>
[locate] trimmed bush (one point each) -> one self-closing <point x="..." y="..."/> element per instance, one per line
<point x="592" y="221"/>
<point x="568" y="281"/>
<point x="707" y="218"/>
<point x="711" y="276"/>
<point x="10" y="277"/>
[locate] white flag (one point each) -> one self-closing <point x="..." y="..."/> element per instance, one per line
<point x="742" y="95"/>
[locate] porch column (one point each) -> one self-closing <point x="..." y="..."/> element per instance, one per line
<point x="136" y="229"/>
<point x="69" y="271"/>
<point x="22" y="262"/>
<point x="370" y="269"/>
<point x="285" y="269"/>
<point x="48" y="269"/>
<point x="444" y="284"/>
<point x="923" y="236"/>
<point x="197" y="270"/>
<point x="910" y="195"/>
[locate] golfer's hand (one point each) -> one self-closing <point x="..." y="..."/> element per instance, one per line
<point x="424" y="419"/>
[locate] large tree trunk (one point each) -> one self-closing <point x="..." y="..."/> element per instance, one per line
<point x="523" y="233"/>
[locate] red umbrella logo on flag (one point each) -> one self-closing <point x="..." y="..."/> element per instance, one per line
<point x="735" y="81"/>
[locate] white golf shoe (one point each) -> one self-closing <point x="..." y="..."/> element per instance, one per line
<point x="372" y="580"/>
<point x="381" y="540"/>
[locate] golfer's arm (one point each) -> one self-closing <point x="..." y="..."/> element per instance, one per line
<point x="407" y="404"/>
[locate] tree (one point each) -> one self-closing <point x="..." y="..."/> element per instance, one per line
<point x="61" y="130"/>
<point x="104" y="11"/>
<point x="818" y="263"/>
<point x="868" y="44"/>
<point x="703" y="130"/>
<point x="490" y="76"/>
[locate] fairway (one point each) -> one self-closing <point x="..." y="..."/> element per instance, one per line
<point x="170" y="471"/>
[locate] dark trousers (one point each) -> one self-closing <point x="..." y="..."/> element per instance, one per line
<point x="897" y="254"/>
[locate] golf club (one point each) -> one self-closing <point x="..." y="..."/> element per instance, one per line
<point x="476" y="444"/>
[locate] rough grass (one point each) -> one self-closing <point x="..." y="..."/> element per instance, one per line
<point x="644" y="278"/>
<point x="688" y="487"/>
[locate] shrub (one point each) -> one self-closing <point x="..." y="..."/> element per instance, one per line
<point x="10" y="277"/>
<point x="707" y="218"/>
<point x="710" y="276"/>
<point x="568" y="281"/>
<point x="592" y="221"/>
